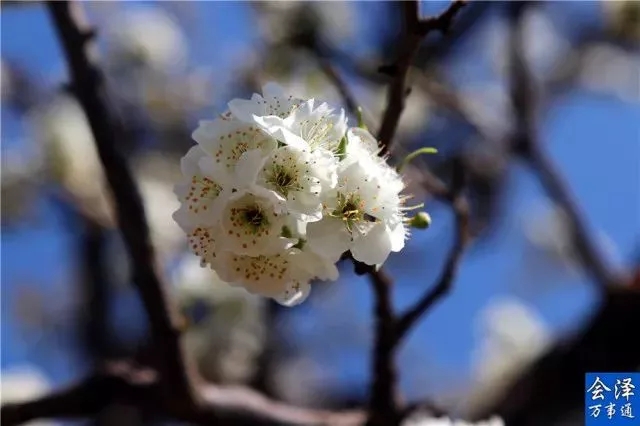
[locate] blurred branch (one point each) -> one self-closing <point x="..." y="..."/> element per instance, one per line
<point x="13" y="3"/>
<point x="120" y="382"/>
<point x="552" y="386"/>
<point x="336" y="79"/>
<point x="525" y="143"/>
<point x="416" y="29"/>
<point x="107" y="128"/>
<point x="168" y="390"/>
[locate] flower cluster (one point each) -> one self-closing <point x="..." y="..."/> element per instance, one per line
<point x="278" y="188"/>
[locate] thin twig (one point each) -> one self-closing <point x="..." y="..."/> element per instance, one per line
<point x="416" y="30"/>
<point x="107" y="128"/>
<point x="336" y="79"/>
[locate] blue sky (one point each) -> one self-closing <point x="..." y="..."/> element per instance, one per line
<point x="593" y="137"/>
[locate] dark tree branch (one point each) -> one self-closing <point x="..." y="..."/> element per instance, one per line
<point x="122" y="383"/>
<point x="96" y="334"/>
<point x="416" y="30"/>
<point x="551" y="387"/>
<point x="336" y="79"/>
<point x="383" y="403"/>
<point x="526" y="144"/>
<point x="164" y="391"/>
<point x="107" y="128"/>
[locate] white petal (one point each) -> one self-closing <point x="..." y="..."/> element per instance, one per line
<point x="248" y="167"/>
<point x="291" y="139"/>
<point x="361" y="138"/>
<point x="183" y="219"/>
<point x="373" y="248"/>
<point x="397" y="235"/>
<point x="189" y="163"/>
<point x="205" y="134"/>
<point x="244" y="109"/>
<point x="270" y="123"/>
<point x="328" y="237"/>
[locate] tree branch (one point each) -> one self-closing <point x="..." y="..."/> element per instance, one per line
<point x="526" y="144"/>
<point x="121" y="382"/>
<point x="107" y="128"/>
<point x="383" y="403"/>
<point x="416" y="30"/>
<point x="166" y="392"/>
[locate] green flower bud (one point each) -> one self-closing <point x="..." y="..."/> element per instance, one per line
<point x="421" y="220"/>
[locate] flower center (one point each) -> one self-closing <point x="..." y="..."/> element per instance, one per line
<point x="316" y="132"/>
<point x="350" y="209"/>
<point x="283" y="179"/>
<point x="254" y="218"/>
<point x="238" y="150"/>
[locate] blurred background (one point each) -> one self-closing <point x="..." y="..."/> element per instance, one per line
<point x="520" y="291"/>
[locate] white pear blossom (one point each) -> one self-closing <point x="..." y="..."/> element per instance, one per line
<point x="446" y="421"/>
<point x="302" y="177"/>
<point x="512" y="336"/>
<point x="150" y="37"/>
<point x="23" y="383"/>
<point x="279" y="187"/>
<point x="226" y="330"/>
<point x="366" y="214"/>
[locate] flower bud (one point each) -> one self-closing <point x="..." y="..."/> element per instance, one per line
<point x="421" y="220"/>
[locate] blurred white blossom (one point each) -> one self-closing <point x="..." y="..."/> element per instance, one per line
<point x="155" y="174"/>
<point x="544" y="45"/>
<point x="548" y="229"/>
<point x="336" y="20"/>
<point x="21" y="173"/>
<point x="489" y="106"/>
<point x="512" y="336"/>
<point x="301" y="381"/>
<point x="63" y="131"/>
<point x="425" y="420"/>
<point x="415" y="115"/>
<point x="611" y="70"/>
<point x="226" y="331"/>
<point x="168" y="100"/>
<point x="23" y="383"/>
<point x="71" y="157"/>
<point x="149" y="37"/>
